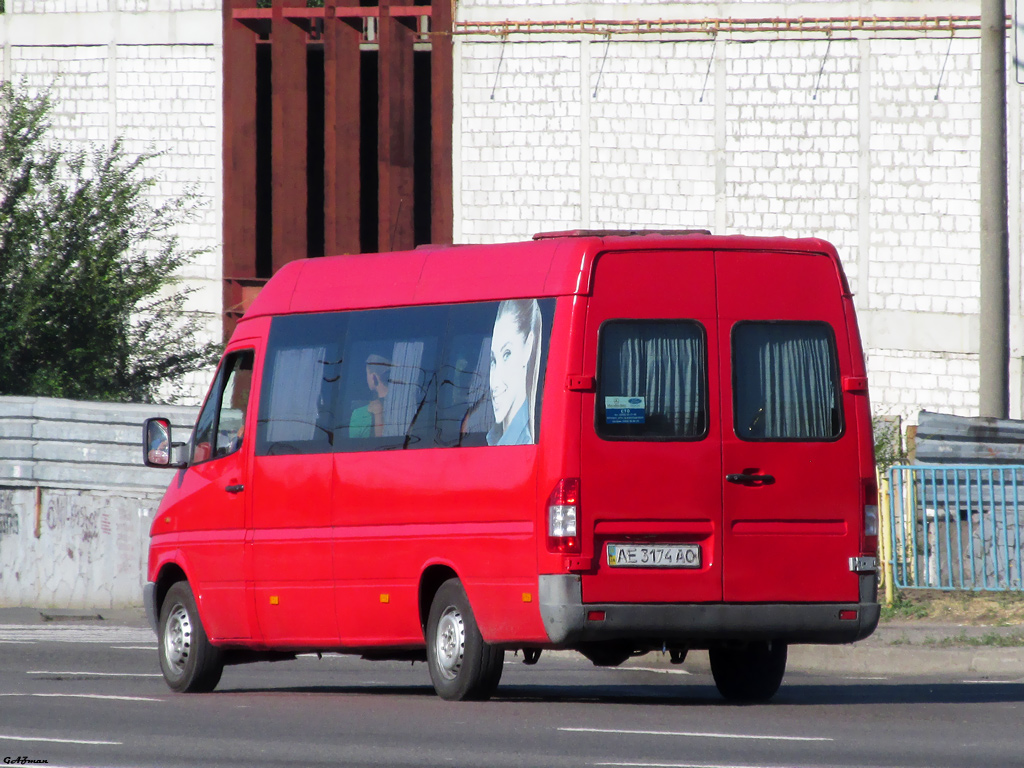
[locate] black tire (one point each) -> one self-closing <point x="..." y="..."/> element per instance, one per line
<point x="751" y="673"/>
<point x="189" y="663"/>
<point x="462" y="666"/>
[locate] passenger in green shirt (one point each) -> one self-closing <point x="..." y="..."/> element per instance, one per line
<point x="368" y="421"/>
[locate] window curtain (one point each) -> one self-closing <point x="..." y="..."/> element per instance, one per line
<point x="295" y="397"/>
<point x="667" y="367"/>
<point x="406" y="387"/>
<point x="794" y="368"/>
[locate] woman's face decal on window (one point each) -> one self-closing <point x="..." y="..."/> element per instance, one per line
<point x="510" y="354"/>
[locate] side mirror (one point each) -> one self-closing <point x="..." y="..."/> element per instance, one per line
<point x="157" y="448"/>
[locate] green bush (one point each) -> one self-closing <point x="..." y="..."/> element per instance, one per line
<point x="889" y="447"/>
<point x="90" y="307"/>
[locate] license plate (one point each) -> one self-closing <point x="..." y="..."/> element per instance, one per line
<point x="654" y="555"/>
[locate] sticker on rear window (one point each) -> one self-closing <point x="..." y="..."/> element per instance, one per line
<point x="624" y="410"/>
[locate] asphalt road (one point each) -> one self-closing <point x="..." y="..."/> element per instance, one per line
<point x="76" y="695"/>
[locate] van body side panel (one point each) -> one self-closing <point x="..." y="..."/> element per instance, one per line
<point x="861" y="401"/>
<point x="292" y="574"/>
<point x="641" y="491"/>
<point x="789" y="539"/>
<point x="559" y="447"/>
<point x="211" y="528"/>
<point x="210" y="524"/>
<point x="289" y="552"/>
<point x="397" y="512"/>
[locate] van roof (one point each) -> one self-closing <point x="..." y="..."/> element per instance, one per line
<point x="552" y="264"/>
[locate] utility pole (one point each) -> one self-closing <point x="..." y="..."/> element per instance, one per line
<point x="994" y="357"/>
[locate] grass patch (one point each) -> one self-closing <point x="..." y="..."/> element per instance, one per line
<point x="903" y="607"/>
<point x="990" y="640"/>
<point x="998" y="609"/>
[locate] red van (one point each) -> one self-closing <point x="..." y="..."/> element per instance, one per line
<point x="599" y="441"/>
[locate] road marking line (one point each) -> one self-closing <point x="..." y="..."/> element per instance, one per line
<point x="135" y="647"/>
<point x="112" y="697"/>
<point x="655" y="669"/>
<point x="50" y="740"/>
<point x="988" y="682"/>
<point x="92" y="674"/>
<point x="70" y="634"/>
<point x="680" y="765"/>
<point x="700" y="734"/>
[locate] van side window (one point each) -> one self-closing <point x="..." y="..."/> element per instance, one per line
<point x="389" y="379"/>
<point x="785" y="378"/>
<point x="652" y="380"/>
<point x="492" y="374"/>
<point x="299" y="385"/>
<point x="220" y="428"/>
<point x="405" y="378"/>
<point x="464" y="411"/>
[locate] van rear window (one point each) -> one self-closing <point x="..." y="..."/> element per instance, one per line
<point x="785" y="382"/>
<point x="652" y="380"/>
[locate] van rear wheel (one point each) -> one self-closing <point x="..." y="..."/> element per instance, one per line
<point x="189" y="662"/>
<point x="462" y="666"/>
<point x="751" y="673"/>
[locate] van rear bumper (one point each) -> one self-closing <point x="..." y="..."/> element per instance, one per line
<point x="697" y="624"/>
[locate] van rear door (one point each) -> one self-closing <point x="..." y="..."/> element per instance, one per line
<point x="650" y="494"/>
<point x="792" y="494"/>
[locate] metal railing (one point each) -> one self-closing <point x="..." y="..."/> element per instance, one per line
<point x="953" y="526"/>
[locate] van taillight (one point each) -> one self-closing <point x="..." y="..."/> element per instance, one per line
<point x="564" y="516"/>
<point x="870" y="536"/>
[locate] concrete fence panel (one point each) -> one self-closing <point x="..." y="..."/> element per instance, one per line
<point x="76" y="501"/>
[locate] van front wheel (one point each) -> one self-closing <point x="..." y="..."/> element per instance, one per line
<point x="751" y="673"/>
<point x="189" y="662"/>
<point x="462" y="666"/>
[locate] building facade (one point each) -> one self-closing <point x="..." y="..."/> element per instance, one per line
<point x="858" y="122"/>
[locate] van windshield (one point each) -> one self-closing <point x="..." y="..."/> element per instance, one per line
<point x="652" y="380"/>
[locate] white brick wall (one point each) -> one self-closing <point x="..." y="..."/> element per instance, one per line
<point x="903" y="383"/>
<point x="99" y="6"/>
<point x="565" y="131"/>
<point x="792" y="145"/>
<point x="872" y="144"/>
<point x="168" y="100"/>
<point x="924" y="176"/>
<point x="652" y="138"/>
<point x="521" y="147"/>
<point x="79" y="83"/>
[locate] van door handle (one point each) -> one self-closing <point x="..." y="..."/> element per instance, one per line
<point x="234" y="488"/>
<point x="748" y="479"/>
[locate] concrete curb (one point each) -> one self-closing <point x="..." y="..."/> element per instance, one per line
<point x="908" y="649"/>
<point x="1004" y="663"/>
<point x="997" y="663"/>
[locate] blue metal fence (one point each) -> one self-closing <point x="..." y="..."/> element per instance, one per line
<point x="956" y="526"/>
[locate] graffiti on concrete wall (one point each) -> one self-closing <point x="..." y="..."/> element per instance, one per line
<point x="10" y="527"/>
<point x="91" y="548"/>
<point x="8" y="516"/>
